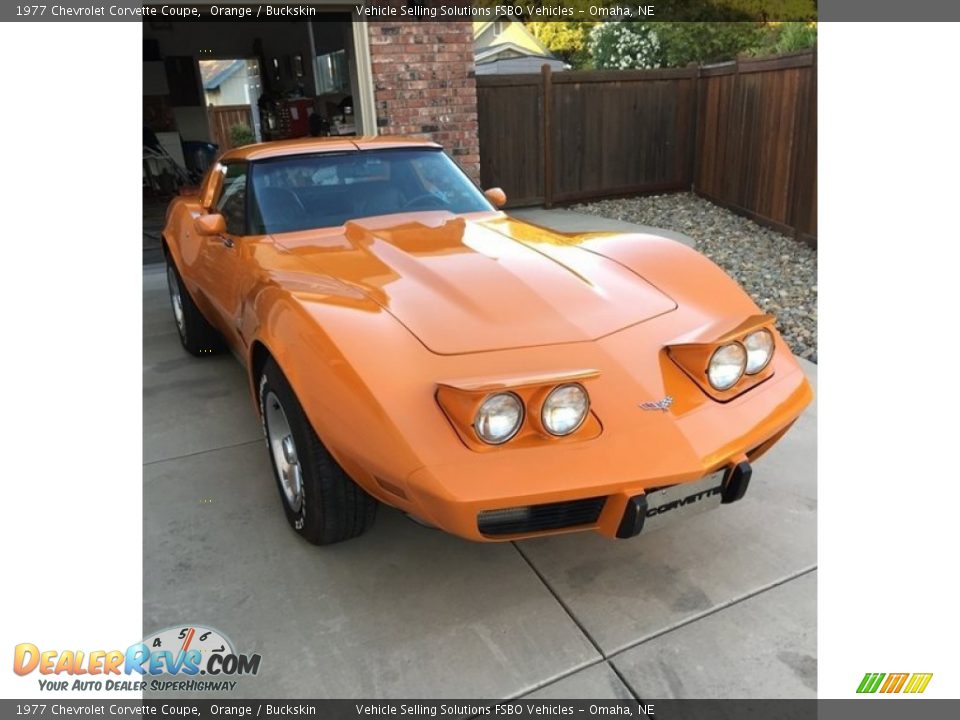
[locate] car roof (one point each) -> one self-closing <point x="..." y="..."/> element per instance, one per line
<point x="311" y="145"/>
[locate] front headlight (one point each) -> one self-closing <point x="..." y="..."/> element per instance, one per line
<point x="727" y="365"/>
<point x="565" y="409"/>
<point x="499" y="418"/>
<point x="759" y="347"/>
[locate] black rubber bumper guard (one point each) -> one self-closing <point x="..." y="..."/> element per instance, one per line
<point x="734" y="487"/>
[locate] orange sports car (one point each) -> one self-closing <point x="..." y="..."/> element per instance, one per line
<point x="408" y="343"/>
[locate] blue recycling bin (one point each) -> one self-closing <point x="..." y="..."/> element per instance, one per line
<point x="199" y="155"/>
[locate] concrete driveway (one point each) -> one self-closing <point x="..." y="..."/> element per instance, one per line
<point x="721" y="605"/>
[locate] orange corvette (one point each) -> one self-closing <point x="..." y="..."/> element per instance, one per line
<point x="408" y="343"/>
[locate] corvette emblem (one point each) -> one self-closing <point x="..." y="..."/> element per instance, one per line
<point x="658" y="405"/>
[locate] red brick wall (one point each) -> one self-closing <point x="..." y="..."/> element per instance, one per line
<point x="424" y="85"/>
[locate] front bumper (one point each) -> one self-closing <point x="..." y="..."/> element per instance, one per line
<point x="596" y="485"/>
<point x="662" y="506"/>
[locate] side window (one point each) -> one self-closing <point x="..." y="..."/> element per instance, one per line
<point x="233" y="198"/>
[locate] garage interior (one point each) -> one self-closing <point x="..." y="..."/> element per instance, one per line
<point x="212" y="85"/>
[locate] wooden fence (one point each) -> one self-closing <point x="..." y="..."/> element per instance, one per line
<point x="224" y="117"/>
<point x="742" y="134"/>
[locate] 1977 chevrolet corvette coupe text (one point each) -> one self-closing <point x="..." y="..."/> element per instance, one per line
<point x="406" y="342"/>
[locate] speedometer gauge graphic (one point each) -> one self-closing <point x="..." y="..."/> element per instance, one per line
<point x="184" y="638"/>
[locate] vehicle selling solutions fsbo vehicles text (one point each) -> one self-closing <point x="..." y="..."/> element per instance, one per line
<point x="533" y="12"/>
<point x="507" y="709"/>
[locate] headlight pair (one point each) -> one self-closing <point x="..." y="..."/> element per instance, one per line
<point x="501" y="415"/>
<point x="732" y="361"/>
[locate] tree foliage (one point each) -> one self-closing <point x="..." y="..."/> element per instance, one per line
<point x="700" y="31"/>
<point x="625" y="45"/>
<point x="707" y="42"/>
<point x="793" y="36"/>
<point x="632" y="44"/>
<point x="567" y="40"/>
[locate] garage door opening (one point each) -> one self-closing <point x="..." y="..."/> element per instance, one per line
<point x="231" y="91"/>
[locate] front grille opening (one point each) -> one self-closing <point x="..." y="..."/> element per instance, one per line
<point x="533" y="518"/>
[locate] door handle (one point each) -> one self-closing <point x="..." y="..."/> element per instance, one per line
<point x="227" y="241"/>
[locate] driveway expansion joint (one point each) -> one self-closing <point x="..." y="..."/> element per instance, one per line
<point x="713" y="611"/>
<point x="560" y="601"/>
<point x="573" y="618"/>
<point x="204" y="452"/>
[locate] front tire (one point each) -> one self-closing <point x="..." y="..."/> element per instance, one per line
<point x="197" y="336"/>
<point x="322" y="504"/>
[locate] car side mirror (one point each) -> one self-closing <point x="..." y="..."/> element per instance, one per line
<point x="211" y="186"/>
<point x="496" y="196"/>
<point x="210" y="224"/>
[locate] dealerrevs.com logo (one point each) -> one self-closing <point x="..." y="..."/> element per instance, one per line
<point x="911" y="683"/>
<point x="182" y="658"/>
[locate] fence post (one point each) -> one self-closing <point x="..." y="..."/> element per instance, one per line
<point x="547" y="108"/>
<point x="800" y="193"/>
<point x="693" y="154"/>
<point x="733" y="181"/>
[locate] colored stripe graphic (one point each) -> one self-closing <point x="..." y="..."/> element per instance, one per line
<point x="870" y="682"/>
<point x="894" y="682"/>
<point x="918" y="682"/>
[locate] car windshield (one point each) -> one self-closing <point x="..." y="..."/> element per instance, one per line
<point x="327" y="190"/>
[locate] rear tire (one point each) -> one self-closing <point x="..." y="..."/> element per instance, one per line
<point x="197" y="336"/>
<point x="322" y="504"/>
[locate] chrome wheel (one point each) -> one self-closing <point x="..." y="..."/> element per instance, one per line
<point x="175" y="300"/>
<point x="284" y="451"/>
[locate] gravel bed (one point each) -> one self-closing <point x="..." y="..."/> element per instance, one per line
<point x="780" y="273"/>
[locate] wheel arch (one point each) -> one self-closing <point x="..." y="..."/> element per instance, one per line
<point x="257" y="359"/>
<point x="178" y="221"/>
<point x="305" y="337"/>
<point x="168" y="253"/>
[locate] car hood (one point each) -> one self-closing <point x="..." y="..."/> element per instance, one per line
<point x="465" y="285"/>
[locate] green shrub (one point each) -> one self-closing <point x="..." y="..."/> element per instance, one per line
<point x="633" y="44"/>
<point x="794" y="36"/>
<point x="625" y="46"/>
<point x="241" y="134"/>
<point x="708" y="42"/>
